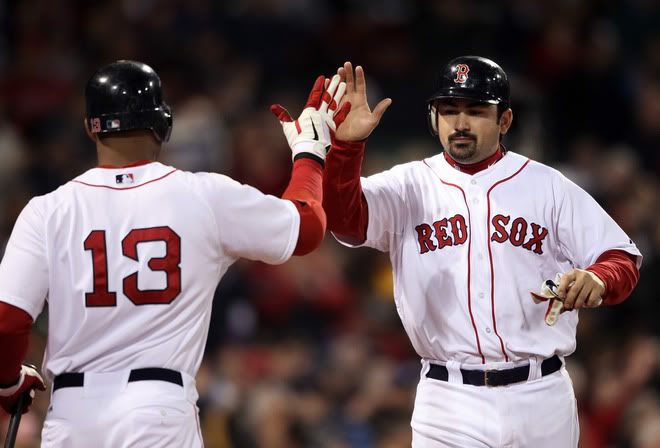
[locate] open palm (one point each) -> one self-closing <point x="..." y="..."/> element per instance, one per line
<point x="361" y="120"/>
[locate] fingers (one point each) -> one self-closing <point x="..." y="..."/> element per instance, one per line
<point x="315" y="95"/>
<point x="341" y="114"/>
<point x="566" y="280"/>
<point x="580" y="290"/>
<point x="594" y="300"/>
<point x="576" y="296"/>
<point x="380" y="108"/>
<point x="329" y="93"/>
<point x="360" y="81"/>
<point x="281" y="113"/>
<point x="338" y="96"/>
<point x="346" y="73"/>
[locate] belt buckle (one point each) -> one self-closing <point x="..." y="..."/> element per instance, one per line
<point x="486" y="382"/>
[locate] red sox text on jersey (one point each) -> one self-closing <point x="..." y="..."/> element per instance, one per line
<point x="453" y="231"/>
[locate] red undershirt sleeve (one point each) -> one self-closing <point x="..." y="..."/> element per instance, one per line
<point x="343" y="199"/>
<point x="618" y="270"/>
<point x="15" y="325"/>
<point x="305" y="190"/>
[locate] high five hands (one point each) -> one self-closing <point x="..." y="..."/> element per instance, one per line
<point x="309" y="135"/>
<point x="361" y="120"/>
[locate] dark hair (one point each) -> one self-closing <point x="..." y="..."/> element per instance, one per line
<point x="501" y="108"/>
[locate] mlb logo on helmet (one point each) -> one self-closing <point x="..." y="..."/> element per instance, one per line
<point x="112" y="124"/>
<point x="124" y="178"/>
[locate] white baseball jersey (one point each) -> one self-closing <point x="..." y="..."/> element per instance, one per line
<point x="129" y="260"/>
<point x="467" y="250"/>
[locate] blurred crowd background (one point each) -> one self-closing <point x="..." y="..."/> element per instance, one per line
<point x="312" y="353"/>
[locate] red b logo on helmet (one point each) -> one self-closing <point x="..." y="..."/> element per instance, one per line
<point x="461" y="73"/>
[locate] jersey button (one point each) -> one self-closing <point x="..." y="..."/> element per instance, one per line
<point x="475" y="200"/>
<point x="487" y="330"/>
<point x="473" y="182"/>
<point x="481" y="295"/>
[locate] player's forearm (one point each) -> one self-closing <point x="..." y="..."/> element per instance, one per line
<point x="343" y="200"/>
<point x="305" y="190"/>
<point x="15" y="327"/>
<point x="618" y="270"/>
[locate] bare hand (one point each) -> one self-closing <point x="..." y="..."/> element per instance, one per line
<point x="581" y="289"/>
<point x="361" y="121"/>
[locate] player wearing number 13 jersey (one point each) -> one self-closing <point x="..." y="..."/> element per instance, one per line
<point x="128" y="256"/>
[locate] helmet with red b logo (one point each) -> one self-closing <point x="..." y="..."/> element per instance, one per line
<point x="470" y="77"/>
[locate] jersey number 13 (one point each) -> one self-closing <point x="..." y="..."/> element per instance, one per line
<point x="102" y="296"/>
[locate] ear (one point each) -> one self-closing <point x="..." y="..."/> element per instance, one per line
<point x="432" y="116"/>
<point x="88" y="131"/>
<point x="505" y="121"/>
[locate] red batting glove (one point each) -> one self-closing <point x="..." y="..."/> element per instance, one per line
<point x="28" y="380"/>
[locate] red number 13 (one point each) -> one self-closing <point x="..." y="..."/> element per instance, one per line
<point x="101" y="296"/>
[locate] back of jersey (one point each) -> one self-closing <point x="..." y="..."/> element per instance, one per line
<point x="130" y="258"/>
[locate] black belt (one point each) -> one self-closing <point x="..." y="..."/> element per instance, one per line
<point x="146" y="374"/>
<point x="495" y="377"/>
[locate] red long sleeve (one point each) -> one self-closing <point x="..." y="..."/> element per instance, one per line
<point x="15" y="327"/>
<point x="618" y="270"/>
<point x="305" y="191"/>
<point x="343" y="200"/>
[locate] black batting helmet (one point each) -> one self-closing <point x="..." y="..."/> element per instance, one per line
<point x="471" y="77"/>
<point x="127" y="95"/>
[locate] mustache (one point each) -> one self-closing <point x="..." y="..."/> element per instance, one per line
<point x="460" y="134"/>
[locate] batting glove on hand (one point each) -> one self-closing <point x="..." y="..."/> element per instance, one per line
<point x="309" y="135"/>
<point x="28" y="380"/>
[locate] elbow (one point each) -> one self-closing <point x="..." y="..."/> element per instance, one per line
<point x="312" y="229"/>
<point x="13" y="321"/>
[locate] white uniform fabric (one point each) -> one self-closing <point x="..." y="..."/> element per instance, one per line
<point x="455" y="415"/>
<point x="467" y="250"/>
<point x="110" y="412"/>
<point x="157" y="241"/>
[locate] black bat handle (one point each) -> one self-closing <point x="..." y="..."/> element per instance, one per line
<point x="15" y="419"/>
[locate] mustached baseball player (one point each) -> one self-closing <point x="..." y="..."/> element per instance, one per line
<point x="472" y="234"/>
<point x="128" y="256"/>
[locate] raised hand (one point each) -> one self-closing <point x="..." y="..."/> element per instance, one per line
<point x="361" y="120"/>
<point x="309" y="135"/>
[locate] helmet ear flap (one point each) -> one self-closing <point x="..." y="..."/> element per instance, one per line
<point x="167" y="114"/>
<point x="432" y="118"/>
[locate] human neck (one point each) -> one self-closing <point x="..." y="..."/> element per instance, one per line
<point x="125" y="150"/>
<point x="473" y="168"/>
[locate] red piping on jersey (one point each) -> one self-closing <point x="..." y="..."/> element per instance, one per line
<point x="125" y="188"/>
<point x="474" y="326"/>
<point x="130" y="165"/>
<point x="490" y="257"/>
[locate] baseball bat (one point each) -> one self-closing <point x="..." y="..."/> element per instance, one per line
<point x="15" y="420"/>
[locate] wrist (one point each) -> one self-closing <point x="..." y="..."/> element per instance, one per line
<point x="8" y="390"/>
<point x="307" y="156"/>
<point x="12" y="384"/>
<point x="597" y="278"/>
<point x="343" y="145"/>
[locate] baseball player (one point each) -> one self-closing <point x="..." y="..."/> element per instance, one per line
<point x="472" y="233"/>
<point x="128" y="256"/>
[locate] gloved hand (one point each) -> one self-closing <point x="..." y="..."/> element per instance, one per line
<point x="28" y="380"/>
<point x="309" y="135"/>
